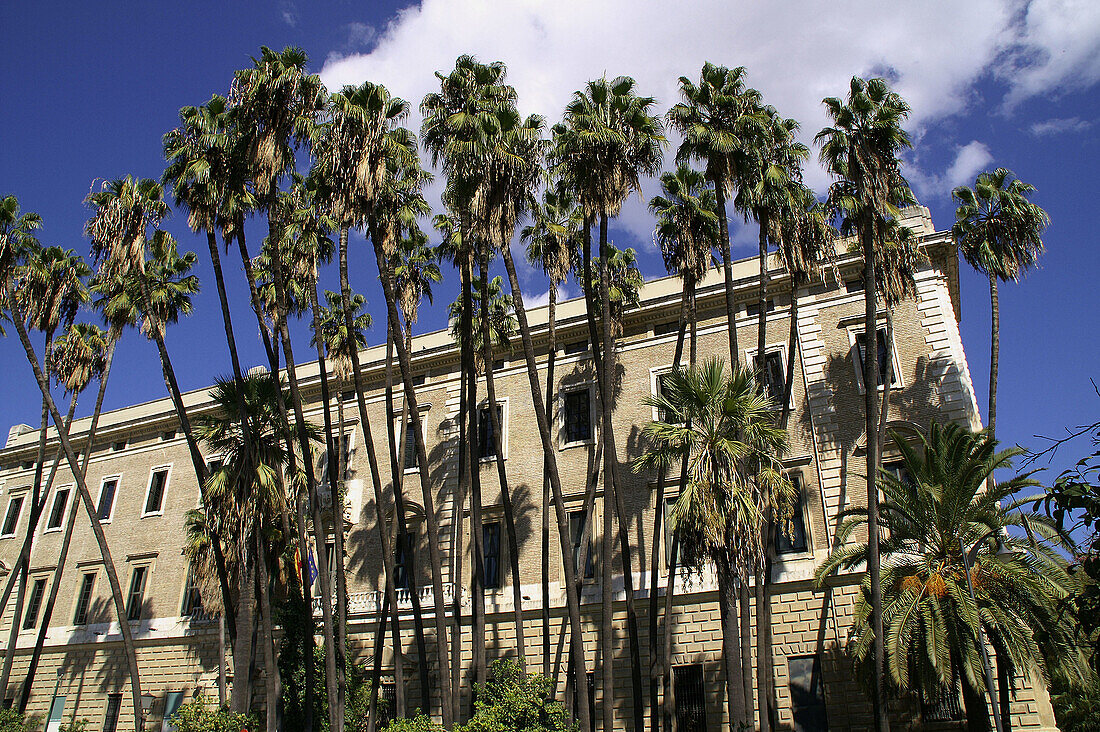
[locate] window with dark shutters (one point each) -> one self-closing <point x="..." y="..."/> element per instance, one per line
<point x="691" y="698"/>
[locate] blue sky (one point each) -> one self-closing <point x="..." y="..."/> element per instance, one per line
<point x="88" y="90"/>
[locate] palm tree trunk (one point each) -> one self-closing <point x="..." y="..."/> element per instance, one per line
<point x="431" y="520"/>
<point x="549" y="449"/>
<point x="870" y="382"/>
<point x="67" y="536"/>
<point x="86" y="497"/>
<point x="477" y="563"/>
<point x="994" y="352"/>
<point x="502" y="472"/>
<point x="727" y="267"/>
<point x="334" y="444"/>
<point x="311" y="484"/>
<point x="1005" y="672"/>
<point x="727" y="602"/>
<point x="372" y="460"/>
<point x="607" y="615"/>
<point x="241" y="696"/>
<point x="272" y="678"/>
<point x="457" y="536"/>
<point x="792" y="346"/>
<point x="764" y="678"/>
<point x="257" y="307"/>
<point x="397" y="454"/>
<point x="657" y="661"/>
<point x="551" y="357"/>
<point x="977" y="710"/>
<point x="669" y="686"/>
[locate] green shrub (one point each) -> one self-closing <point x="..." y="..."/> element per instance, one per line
<point x="419" y="723"/>
<point x="13" y="721"/>
<point x="196" y="716"/>
<point x="77" y="725"/>
<point x="514" y="700"/>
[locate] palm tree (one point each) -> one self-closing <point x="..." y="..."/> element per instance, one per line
<point x="861" y="151"/>
<point x="955" y="573"/>
<point x="276" y="105"/>
<point x="81" y="354"/>
<point x="551" y="245"/>
<point x="17" y="236"/>
<point x="1000" y="234"/>
<point x="714" y="118"/>
<point x="608" y="141"/>
<point x="358" y="140"/>
<point x="687" y="232"/>
<point x="723" y="430"/>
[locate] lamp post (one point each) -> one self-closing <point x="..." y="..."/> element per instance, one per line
<point x="146" y="705"/>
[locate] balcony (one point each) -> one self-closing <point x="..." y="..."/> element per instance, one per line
<point x="370" y="603"/>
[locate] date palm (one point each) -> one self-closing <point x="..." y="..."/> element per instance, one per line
<point x="944" y="506"/>
<point x="609" y="139"/>
<point x="1000" y="233"/>
<point x="552" y="238"/>
<point x="860" y="149"/>
<point x="723" y="429"/>
<point x="714" y="117"/>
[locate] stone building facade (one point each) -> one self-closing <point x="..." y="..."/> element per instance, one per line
<point x="141" y="460"/>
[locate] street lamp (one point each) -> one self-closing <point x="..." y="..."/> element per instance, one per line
<point x="146" y="705"/>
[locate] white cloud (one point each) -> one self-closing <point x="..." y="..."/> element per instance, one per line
<point x="970" y="159"/>
<point x="1059" y="125"/>
<point x="288" y="11"/>
<point x="796" y="53"/>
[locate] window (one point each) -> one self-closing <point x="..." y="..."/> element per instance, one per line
<point x="752" y="309"/>
<point x="490" y="548"/>
<point x="28" y="465"/>
<point x="498" y="364"/>
<point x="578" y="415"/>
<point x="11" y="519"/>
<point x="670" y="326"/>
<point x="486" y="439"/>
<point x="342" y="456"/>
<point x="402" y="555"/>
<point x="669" y="533"/>
<point x="114" y="706"/>
<point x="168" y="435"/>
<point x="347" y="395"/>
<point x="137" y="593"/>
<point x="154" y="497"/>
<point x="57" y="714"/>
<point x="861" y="352"/>
<point x="591" y="694"/>
<point x="84" y="599"/>
<point x="577" y="521"/>
<point x="30" y="619"/>
<point x="172" y="703"/>
<point x="119" y="446"/>
<point x="807" y="694"/>
<point x="574" y="348"/>
<point x="412" y="461"/>
<point x="790" y="535"/>
<point x="107" y="499"/>
<point x="691" y="698"/>
<point x="855" y="285"/>
<point x="897" y="469"/>
<point x="57" y="513"/>
<point x="942" y="705"/>
<point x="419" y="379"/>
<point x="192" y="596"/>
<point x="774" y="376"/>
<point x="659" y="384"/>
<point x="387" y="704"/>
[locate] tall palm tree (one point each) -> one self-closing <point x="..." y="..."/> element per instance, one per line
<point x="84" y="353"/>
<point x="947" y="523"/>
<point x="16" y="234"/>
<point x="860" y="149"/>
<point x="551" y="246"/>
<point x="358" y="140"/>
<point x="609" y="139"/>
<point x="724" y="427"/>
<point x="714" y="118"/>
<point x="687" y="231"/>
<point x="276" y="105"/>
<point x="18" y="318"/>
<point x="1000" y="234"/>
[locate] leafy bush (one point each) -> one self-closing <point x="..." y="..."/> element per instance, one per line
<point x="514" y="700"/>
<point x="13" y="721"/>
<point x="196" y="716"/>
<point x="419" y="723"/>
<point x="77" y="725"/>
